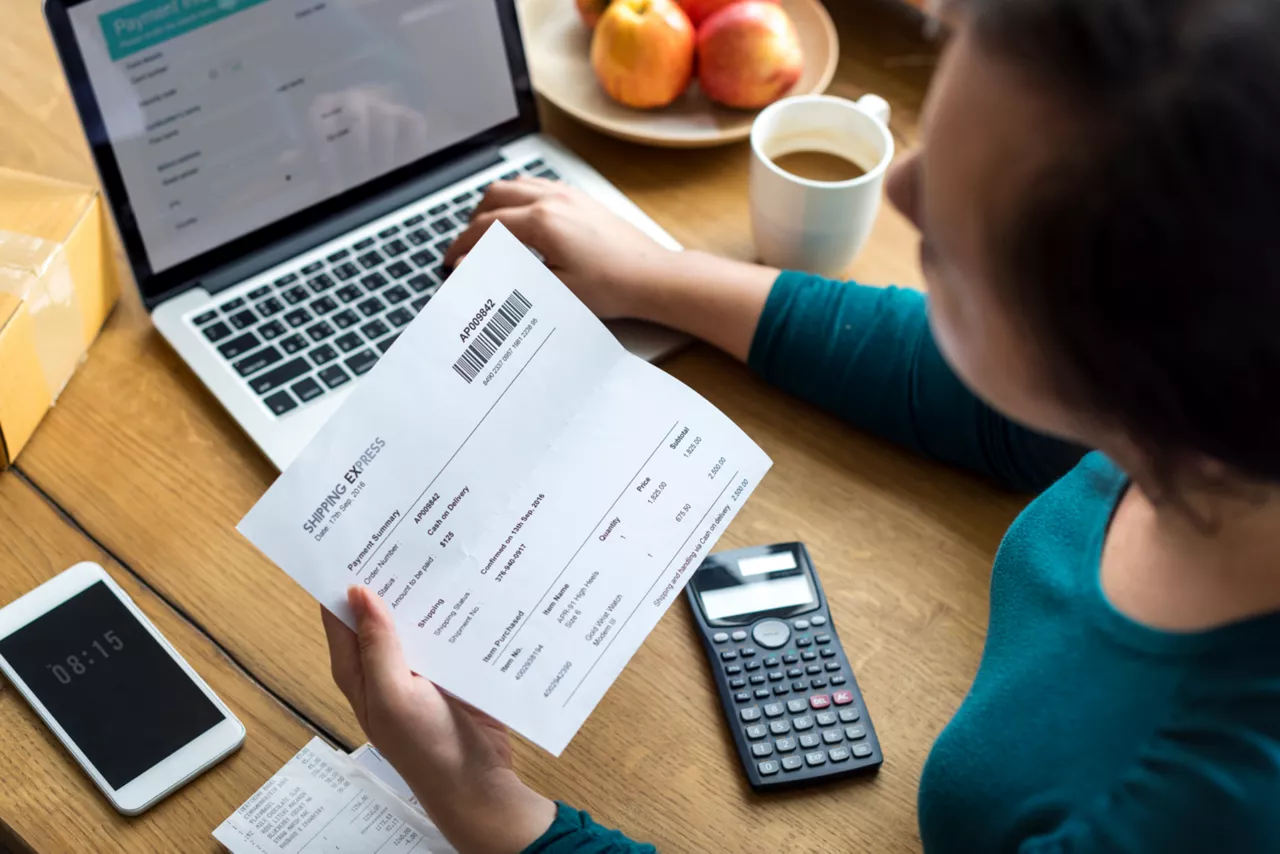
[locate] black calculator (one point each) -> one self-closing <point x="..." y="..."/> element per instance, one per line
<point x="788" y="692"/>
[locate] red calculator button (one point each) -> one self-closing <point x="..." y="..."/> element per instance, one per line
<point x="819" y="701"/>
<point x="842" y="698"/>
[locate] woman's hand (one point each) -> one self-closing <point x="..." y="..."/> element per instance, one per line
<point x="456" y="759"/>
<point x="603" y="259"/>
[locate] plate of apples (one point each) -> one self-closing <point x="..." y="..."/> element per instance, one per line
<point x="676" y="73"/>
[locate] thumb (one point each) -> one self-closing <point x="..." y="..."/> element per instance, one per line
<point x="381" y="657"/>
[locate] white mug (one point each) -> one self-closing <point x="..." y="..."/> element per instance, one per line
<point x="817" y="226"/>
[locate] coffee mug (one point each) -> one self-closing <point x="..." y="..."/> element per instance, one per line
<point x="804" y="224"/>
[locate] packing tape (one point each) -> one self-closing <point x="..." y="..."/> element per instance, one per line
<point x="37" y="273"/>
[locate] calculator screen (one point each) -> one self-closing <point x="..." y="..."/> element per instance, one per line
<point x="756" y="595"/>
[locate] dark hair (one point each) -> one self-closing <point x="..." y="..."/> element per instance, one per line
<point x="1146" y="257"/>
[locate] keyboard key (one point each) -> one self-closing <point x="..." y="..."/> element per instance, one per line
<point x="346" y="271"/>
<point x="228" y="307"/>
<point x="280" y="402"/>
<point x="338" y="256"/>
<point x="239" y="345"/>
<point x="441" y="273"/>
<point x="295" y="294"/>
<point x="400" y="316"/>
<point x="510" y="176"/>
<point x="413" y="220"/>
<point x="334" y="376"/>
<point x="373" y="281"/>
<point x="323" y="355"/>
<point x="324" y="305"/>
<point x="313" y="268"/>
<point x="463" y="214"/>
<point x="371" y="306"/>
<point x="369" y="260"/>
<point x="259" y="360"/>
<point x="307" y="390"/>
<point x="443" y="226"/>
<point x="202" y="319"/>
<point x="364" y="244"/>
<point x="419" y="237"/>
<point x="424" y="258"/>
<point x="347" y="293"/>
<point x="385" y="344"/>
<point x="349" y="342"/>
<point x="297" y="317"/>
<point x="549" y="174"/>
<point x="375" y="329"/>
<point x="321" y="283"/>
<point x="464" y="198"/>
<point x="259" y="293"/>
<point x="284" y="281"/>
<point x="421" y="283"/>
<point x="400" y="269"/>
<point x="320" y="331"/>
<point x="396" y="295"/>
<point x="362" y="362"/>
<point x="243" y="319"/>
<point x="343" y="319"/>
<point x="395" y="247"/>
<point x="271" y="306"/>
<point x="293" y="344"/>
<point x="535" y="165"/>
<point x="217" y="331"/>
<point x="278" y="376"/>
<point x="274" y="329"/>
<point x="437" y="210"/>
<point x="420" y="302"/>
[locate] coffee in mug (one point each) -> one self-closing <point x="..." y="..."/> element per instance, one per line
<point x="819" y="166"/>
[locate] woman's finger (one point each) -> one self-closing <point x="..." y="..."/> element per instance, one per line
<point x="381" y="659"/>
<point x="518" y="220"/>
<point x="344" y="653"/>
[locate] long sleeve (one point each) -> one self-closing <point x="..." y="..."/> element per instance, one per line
<point x="574" y="832"/>
<point x="867" y="355"/>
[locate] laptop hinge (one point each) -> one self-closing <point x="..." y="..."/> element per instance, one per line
<point x="233" y="273"/>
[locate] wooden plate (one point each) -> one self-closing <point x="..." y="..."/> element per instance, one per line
<point x="558" y="47"/>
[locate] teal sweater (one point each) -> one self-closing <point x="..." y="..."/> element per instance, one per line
<point x="1083" y="731"/>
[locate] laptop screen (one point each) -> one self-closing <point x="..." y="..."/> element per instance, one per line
<point x="227" y="116"/>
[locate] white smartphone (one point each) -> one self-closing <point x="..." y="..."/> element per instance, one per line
<point x="136" y="717"/>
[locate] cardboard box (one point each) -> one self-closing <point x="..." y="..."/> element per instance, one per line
<point x="57" y="286"/>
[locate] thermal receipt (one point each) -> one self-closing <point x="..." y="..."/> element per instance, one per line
<point x="526" y="495"/>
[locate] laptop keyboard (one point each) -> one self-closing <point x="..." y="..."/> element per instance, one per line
<point x="319" y="326"/>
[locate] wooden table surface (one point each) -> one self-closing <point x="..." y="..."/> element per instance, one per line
<point x="138" y="467"/>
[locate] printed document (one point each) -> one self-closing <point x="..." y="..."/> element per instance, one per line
<point x="527" y="496"/>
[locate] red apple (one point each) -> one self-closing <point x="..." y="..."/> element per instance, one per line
<point x="699" y="10"/>
<point x="642" y="52"/>
<point x="591" y="10"/>
<point x="748" y="55"/>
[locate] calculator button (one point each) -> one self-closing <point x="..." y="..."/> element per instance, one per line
<point x="790" y="658"/>
<point x="817" y="683"/>
<point x="828" y="653"/>
<point x="773" y="710"/>
<point x="771" y="634"/>
<point x="832" y="666"/>
<point x="780" y="727"/>
<point x="758" y="679"/>
<point x="815" y="758"/>
<point x="772" y="661"/>
<point x="842" y="698"/>
<point x="813" y="669"/>
<point x="853" y="733"/>
<point x="785" y="745"/>
<point x="757" y="731"/>
<point x="776" y="676"/>
<point x="796" y="707"/>
<point x="810" y="740"/>
<point x="739" y="635"/>
<point x="795" y="673"/>
<point x="804" y="640"/>
<point x="752" y="665"/>
<point x="803" y="722"/>
<point x="762" y="693"/>
<point x="838" y="754"/>
<point x="720" y="637"/>
<point x="837" y="680"/>
<point x="751" y="714"/>
<point x="809" y="655"/>
<point x="818" y="620"/>
<point x="742" y="696"/>
<point x="780" y="689"/>
<point x="819" y="701"/>
<point x="825" y="718"/>
<point x="801" y="625"/>
<point x="748" y="652"/>
<point x="737" y="682"/>
<point x="832" y="736"/>
<point x="728" y="654"/>
<point x="732" y="669"/>
<point x="822" y="639"/>
<point x="799" y="685"/>
<point x="762" y="748"/>
<point x="848" y="716"/>
<point x="862" y="751"/>
<point x="767" y="767"/>
<point x="792" y="763"/>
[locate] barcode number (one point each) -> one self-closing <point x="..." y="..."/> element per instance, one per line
<point x="501" y="325"/>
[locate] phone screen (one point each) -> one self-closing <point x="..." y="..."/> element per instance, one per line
<point x="116" y="692"/>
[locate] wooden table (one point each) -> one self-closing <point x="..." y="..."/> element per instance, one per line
<point x="137" y="466"/>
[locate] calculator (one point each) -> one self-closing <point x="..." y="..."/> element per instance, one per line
<point x="788" y="692"/>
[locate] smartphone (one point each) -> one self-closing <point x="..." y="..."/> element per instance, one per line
<point x="125" y="705"/>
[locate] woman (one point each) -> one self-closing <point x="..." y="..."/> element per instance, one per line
<point x="1094" y="193"/>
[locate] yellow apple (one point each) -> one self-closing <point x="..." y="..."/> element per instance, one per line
<point x="642" y="52"/>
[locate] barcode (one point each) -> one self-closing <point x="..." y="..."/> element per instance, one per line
<point x="491" y="336"/>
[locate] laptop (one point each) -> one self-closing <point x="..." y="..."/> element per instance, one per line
<point x="286" y="176"/>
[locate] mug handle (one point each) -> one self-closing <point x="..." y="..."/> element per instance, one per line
<point x="876" y="107"/>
